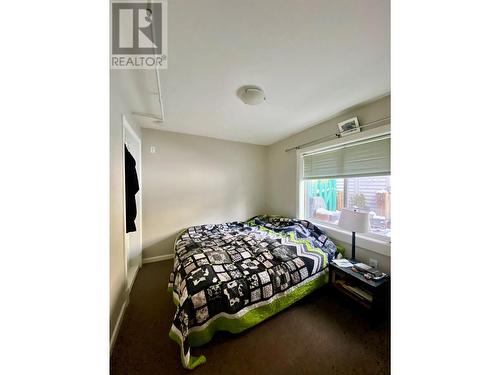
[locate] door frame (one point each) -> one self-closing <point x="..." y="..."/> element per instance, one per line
<point x="126" y="127"/>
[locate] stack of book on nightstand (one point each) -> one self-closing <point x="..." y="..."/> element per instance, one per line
<point x="356" y="290"/>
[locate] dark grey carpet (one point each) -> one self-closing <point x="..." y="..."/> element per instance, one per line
<point x="322" y="334"/>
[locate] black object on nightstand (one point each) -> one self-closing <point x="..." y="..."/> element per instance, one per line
<point x="369" y="293"/>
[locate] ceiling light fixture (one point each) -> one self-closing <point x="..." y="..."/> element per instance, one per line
<point x="251" y="95"/>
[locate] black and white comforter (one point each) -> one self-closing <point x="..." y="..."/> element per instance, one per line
<point x="232" y="276"/>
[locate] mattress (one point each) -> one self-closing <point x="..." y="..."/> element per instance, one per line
<point x="232" y="276"/>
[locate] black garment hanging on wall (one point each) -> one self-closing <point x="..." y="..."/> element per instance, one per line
<point x="131" y="189"/>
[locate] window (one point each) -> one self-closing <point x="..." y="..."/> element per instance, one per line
<point x="325" y="198"/>
<point x="349" y="175"/>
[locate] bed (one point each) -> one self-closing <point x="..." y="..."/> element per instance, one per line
<point x="232" y="276"/>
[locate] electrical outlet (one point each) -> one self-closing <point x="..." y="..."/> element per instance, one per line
<point x="373" y="262"/>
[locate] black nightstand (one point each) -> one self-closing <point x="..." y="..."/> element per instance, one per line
<point x="371" y="294"/>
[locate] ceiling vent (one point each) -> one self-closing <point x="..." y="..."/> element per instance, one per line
<point x="251" y="95"/>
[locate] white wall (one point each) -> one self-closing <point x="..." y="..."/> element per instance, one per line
<point x="282" y="166"/>
<point x="193" y="180"/>
<point x="117" y="261"/>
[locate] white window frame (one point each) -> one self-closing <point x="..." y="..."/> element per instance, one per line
<point x="370" y="241"/>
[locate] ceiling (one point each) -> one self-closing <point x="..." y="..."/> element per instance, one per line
<point x="312" y="58"/>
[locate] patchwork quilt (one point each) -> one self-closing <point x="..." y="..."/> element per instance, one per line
<point x="229" y="277"/>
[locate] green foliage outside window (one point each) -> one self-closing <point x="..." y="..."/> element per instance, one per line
<point x="359" y="200"/>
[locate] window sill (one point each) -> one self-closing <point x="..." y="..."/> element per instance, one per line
<point x="369" y="243"/>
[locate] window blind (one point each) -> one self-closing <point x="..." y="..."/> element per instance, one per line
<point x="367" y="158"/>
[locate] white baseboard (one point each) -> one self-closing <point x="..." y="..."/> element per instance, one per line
<point x="131" y="275"/>
<point x="118" y="324"/>
<point x="158" y="258"/>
